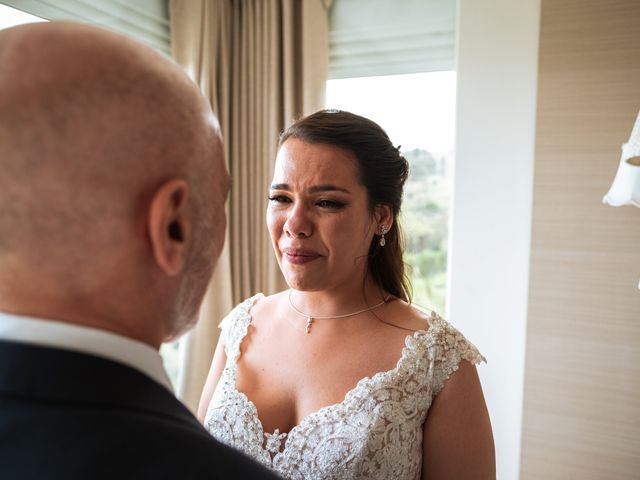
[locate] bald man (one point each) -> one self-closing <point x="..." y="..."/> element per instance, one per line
<point x="112" y="192"/>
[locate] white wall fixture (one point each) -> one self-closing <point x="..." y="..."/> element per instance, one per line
<point x="625" y="189"/>
<point x="626" y="185"/>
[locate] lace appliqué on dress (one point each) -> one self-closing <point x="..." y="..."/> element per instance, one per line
<point x="374" y="433"/>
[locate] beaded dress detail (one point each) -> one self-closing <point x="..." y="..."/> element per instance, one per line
<point x="374" y="433"/>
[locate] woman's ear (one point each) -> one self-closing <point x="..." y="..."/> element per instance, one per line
<point x="169" y="226"/>
<point x="384" y="216"/>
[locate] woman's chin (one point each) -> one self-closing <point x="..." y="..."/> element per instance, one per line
<point x="305" y="283"/>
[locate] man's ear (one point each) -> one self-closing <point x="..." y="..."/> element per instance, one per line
<point x="383" y="216"/>
<point x="169" y="225"/>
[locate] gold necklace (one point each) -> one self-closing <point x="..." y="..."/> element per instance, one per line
<point x="311" y="318"/>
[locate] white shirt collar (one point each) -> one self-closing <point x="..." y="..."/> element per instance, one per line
<point x="56" y="334"/>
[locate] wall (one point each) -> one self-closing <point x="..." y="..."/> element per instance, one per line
<point x="497" y="59"/>
<point x="582" y="389"/>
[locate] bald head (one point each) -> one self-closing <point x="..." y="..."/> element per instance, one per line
<point x="92" y="124"/>
<point x="84" y="114"/>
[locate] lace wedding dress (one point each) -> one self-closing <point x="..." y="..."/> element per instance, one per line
<point x="374" y="433"/>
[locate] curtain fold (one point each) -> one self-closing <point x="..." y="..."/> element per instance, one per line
<point x="261" y="64"/>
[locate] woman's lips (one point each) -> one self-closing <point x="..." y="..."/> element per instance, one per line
<point x="299" y="257"/>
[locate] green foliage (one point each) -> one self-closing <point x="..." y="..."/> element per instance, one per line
<point x="425" y="220"/>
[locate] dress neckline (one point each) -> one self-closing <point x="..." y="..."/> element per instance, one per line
<point x="273" y="441"/>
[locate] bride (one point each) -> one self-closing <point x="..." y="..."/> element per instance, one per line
<point x="339" y="376"/>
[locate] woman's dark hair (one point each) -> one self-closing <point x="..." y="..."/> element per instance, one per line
<point x="383" y="171"/>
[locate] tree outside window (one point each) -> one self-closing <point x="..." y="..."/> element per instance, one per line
<point x="418" y="113"/>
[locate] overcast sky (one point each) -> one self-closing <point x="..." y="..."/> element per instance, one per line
<point x="417" y="110"/>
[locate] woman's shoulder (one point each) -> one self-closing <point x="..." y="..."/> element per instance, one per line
<point x="407" y="316"/>
<point x="432" y="345"/>
<point x="431" y="335"/>
<point x="242" y="309"/>
<point x="251" y="308"/>
<point x="439" y="332"/>
<point x="430" y="326"/>
<point x="448" y="347"/>
<point x="234" y="325"/>
<point x="264" y="307"/>
<point x="269" y="301"/>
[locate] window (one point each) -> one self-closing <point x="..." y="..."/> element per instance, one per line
<point x="417" y="111"/>
<point x="10" y="17"/>
<point x="145" y="20"/>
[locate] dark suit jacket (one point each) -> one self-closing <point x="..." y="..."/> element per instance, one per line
<point x="67" y="415"/>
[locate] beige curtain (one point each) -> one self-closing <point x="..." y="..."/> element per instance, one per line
<point x="261" y="63"/>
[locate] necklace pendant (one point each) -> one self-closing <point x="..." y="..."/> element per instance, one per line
<point x="309" y="322"/>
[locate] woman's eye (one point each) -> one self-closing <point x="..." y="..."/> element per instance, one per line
<point x="330" y="204"/>
<point x="279" y="199"/>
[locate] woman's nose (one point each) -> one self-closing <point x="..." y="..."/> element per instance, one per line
<point x="298" y="223"/>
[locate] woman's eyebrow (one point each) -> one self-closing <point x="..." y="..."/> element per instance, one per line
<point x="315" y="189"/>
<point x="327" y="188"/>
